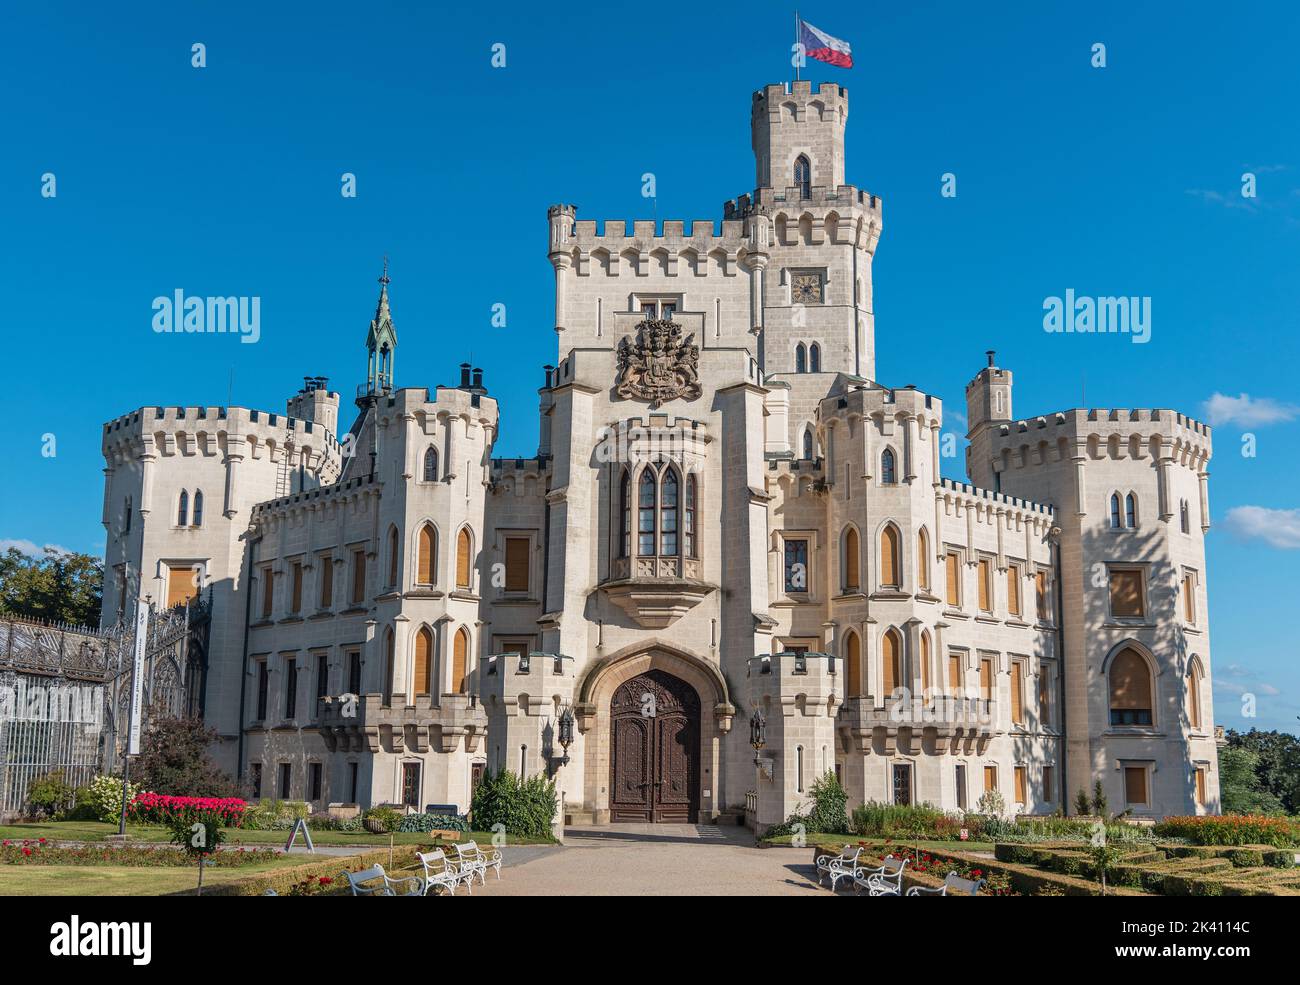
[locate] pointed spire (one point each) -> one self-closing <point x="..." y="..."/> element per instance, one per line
<point x="381" y="341"/>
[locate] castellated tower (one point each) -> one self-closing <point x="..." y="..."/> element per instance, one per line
<point x="180" y="484"/>
<point x="1130" y="492"/>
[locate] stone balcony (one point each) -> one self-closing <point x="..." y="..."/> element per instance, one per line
<point x="936" y="725"/>
<point x="656" y="591"/>
<point x="363" y="723"/>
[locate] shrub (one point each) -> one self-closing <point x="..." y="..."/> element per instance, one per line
<point x="1232" y="829"/>
<point x="1082" y="805"/>
<point x="174" y="760"/>
<point x="526" y="809"/>
<point x="50" y="794"/>
<point x="1099" y="805"/>
<point x="386" y="819"/>
<point x="991" y="804"/>
<point x="878" y="820"/>
<point x="103" y="796"/>
<point x="432" y="822"/>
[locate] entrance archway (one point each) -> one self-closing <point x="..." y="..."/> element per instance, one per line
<point x="655" y="756"/>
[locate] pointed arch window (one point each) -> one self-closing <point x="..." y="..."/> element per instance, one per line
<point x="923" y="560"/>
<point x="925" y="661"/>
<point x="423" y="660"/>
<point x="645" y="522"/>
<point x="891" y="657"/>
<point x="814" y="358"/>
<point x="392" y="556"/>
<point x="800" y="358"/>
<point x="196" y="517"/>
<point x="183" y="509"/>
<point x="803" y="176"/>
<point x="668" y="507"/>
<point x="1130" y="689"/>
<point x="849" y="560"/>
<point x="808" y="443"/>
<point x="459" y="661"/>
<point x="463" y="558"/>
<point x="852" y="665"/>
<point x="888" y="467"/>
<point x="625" y="513"/>
<point x="431" y="465"/>
<point x="1130" y="511"/>
<point x="1194" y="694"/>
<point x="1183" y="517"/>
<point x="426" y="550"/>
<point x="1115" y="521"/>
<point x="890" y="568"/>
<point x="388" y="667"/>
<point x="688" y="519"/>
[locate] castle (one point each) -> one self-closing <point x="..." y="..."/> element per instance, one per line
<point x="732" y="566"/>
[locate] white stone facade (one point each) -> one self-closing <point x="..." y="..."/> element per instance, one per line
<point x="793" y="550"/>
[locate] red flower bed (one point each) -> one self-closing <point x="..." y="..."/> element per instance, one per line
<point x="157" y="808"/>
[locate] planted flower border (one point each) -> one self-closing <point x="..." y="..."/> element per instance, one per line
<point x="43" y="852"/>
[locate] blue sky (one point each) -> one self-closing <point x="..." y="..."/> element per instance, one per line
<point x="1124" y="180"/>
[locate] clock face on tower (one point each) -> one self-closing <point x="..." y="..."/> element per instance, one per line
<point x="806" y="289"/>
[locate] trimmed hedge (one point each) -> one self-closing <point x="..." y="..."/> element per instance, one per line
<point x="282" y="880"/>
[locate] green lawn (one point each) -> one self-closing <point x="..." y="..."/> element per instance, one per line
<point x="124" y="880"/>
<point x="99" y="830"/>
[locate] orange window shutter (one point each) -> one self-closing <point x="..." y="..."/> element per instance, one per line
<point x="1040" y="590"/>
<point x="358" y="576"/>
<point x="925" y="663"/>
<point x="1022" y="787"/>
<point x="1126" y="593"/>
<point x="1189" y="598"/>
<point x="180" y="586"/>
<point x="1135" y="785"/>
<point x="889" y="557"/>
<point x="990" y="778"/>
<point x="1017" y="693"/>
<point x="327" y="581"/>
<point x="423" y="660"/>
<point x="954" y="671"/>
<point x="268" y="591"/>
<point x="1200" y="784"/>
<point x="985" y="604"/>
<point x="851" y="559"/>
<point x="1013" y="590"/>
<point x="986" y="679"/>
<point x="297" y="587"/>
<point x="517" y="564"/>
<point x="462" y="559"/>
<point x="890" y="659"/>
<point x="459" y="655"/>
<point x="853" y="658"/>
<point x="954" y="584"/>
<point x="425" y="573"/>
<point x="923" y="561"/>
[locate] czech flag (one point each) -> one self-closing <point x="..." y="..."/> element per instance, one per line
<point x="820" y="45"/>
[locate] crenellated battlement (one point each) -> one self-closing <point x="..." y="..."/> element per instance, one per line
<point x="973" y="496"/>
<point x="1120" y="431"/>
<point x="338" y="492"/>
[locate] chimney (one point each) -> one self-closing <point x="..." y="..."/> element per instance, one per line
<point x="464" y="375"/>
<point x="990" y="353"/>
<point x="478" y="378"/>
<point x="549" y="369"/>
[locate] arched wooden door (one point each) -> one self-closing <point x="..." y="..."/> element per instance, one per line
<point x="655" y="742"/>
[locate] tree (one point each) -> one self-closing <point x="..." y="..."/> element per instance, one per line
<point x="1276" y="767"/>
<point x="1240" y="788"/>
<point x="174" y="760"/>
<point x="58" y="586"/>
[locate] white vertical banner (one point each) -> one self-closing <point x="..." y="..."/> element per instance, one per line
<point x="137" y="677"/>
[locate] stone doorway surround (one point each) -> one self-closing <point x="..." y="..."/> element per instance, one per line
<point x="596" y="690"/>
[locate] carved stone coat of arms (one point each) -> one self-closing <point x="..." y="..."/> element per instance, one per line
<point x="660" y="365"/>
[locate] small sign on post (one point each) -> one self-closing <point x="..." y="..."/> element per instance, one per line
<point x="300" y="826"/>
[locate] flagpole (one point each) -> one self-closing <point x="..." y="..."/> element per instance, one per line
<point x="797" y="53"/>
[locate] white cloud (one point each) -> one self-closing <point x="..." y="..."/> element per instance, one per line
<point x="29" y="548"/>
<point x="1247" y="411"/>
<point x="1280" y="528"/>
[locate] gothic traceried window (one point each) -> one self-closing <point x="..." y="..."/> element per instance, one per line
<point x="431" y="465"/>
<point x="688" y="519"/>
<point x="1115" y="521"/>
<point x="659" y="508"/>
<point x="646" y="514"/>
<point x="814" y="358"/>
<point x="888" y="469"/>
<point x="196" y="518"/>
<point x="1130" y="511"/>
<point x="183" y="509"/>
<point x="803" y="176"/>
<point x="625" y="512"/>
<point x="800" y="359"/>
<point x="668" y="513"/>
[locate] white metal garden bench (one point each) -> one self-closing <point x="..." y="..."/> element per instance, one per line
<point x="839" y="866"/>
<point x="382" y="884"/>
<point x="475" y="861"/>
<point x="440" y="871"/>
<point x="953" y="885"/>
<point x="887" y="880"/>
